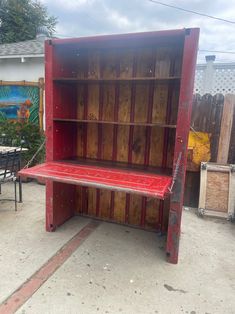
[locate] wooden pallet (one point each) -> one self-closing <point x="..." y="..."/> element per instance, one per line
<point x="217" y="190"/>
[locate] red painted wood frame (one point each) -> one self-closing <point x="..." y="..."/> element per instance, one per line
<point x="181" y="141"/>
<point x="60" y="198"/>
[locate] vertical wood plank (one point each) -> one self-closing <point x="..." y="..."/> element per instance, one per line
<point x="124" y="102"/>
<point x="231" y="157"/>
<point x="152" y="213"/>
<point x="105" y="202"/>
<point x="141" y="103"/>
<point x="135" y="210"/>
<point x="92" y="205"/>
<point x="122" y="143"/>
<point x="203" y="184"/>
<point x="231" y="196"/>
<point x="108" y="102"/>
<point x="119" y="207"/>
<point x="107" y="142"/>
<point x="126" y="57"/>
<point x="92" y="114"/>
<point x="226" y="128"/>
<point x="138" y="145"/>
<point x="93" y="64"/>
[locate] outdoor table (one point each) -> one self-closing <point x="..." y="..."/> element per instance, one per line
<point x="7" y="149"/>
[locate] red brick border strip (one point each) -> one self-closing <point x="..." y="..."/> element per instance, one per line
<point x="28" y="288"/>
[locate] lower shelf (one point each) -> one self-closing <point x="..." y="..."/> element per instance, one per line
<point x="129" y="181"/>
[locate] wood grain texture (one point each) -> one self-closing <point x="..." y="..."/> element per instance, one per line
<point x="226" y="128"/>
<point x="93" y="64"/>
<point x="135" y="210"/>
<point x="91" y="201"/>
<point x="92" y="143"/>
<point x="163" y="62"/>
<point x="80" y="102"/>
<point x="150" y="106"/>
<point x="105" y="197"/>
<point x="203" y="184"/>
<point x="152" y="213"/>
<point x="107" y="142"/>
<point x="217" y="191"/>
<point x="109" y="60"/>
<point x="124" y="102"/>
<point x="231" y="155"/>
<point x="119" y="207"/>
<point x="141" y="103"/>
<point x="122" y="143"/>
<point x="108" y="102"/>
<point x="138" y="146"/>
<point x="231" y="196"/>
<point x="126" y="62"/>
<point x="207" y="116"/>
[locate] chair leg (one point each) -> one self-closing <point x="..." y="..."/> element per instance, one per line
<point x="20" y="189"/>
<point x="0" y="189"/>
<point x="15" y="196"/>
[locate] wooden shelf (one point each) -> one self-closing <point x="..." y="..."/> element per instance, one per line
<point x="111" y="80"/>
<point x="119" y="165"/>
<point x="152" y="185"/>
<point x="161" y="125"/>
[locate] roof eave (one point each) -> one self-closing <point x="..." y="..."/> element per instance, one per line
<point x="41" y="55"/>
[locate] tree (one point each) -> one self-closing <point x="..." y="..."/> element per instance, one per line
<point x="19" y="20"/>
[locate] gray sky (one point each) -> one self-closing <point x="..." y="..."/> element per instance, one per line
<point x="90" y="17"/>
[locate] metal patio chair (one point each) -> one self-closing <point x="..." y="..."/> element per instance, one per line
<point x="9" y="164"/>
<point x="10" y="142"/>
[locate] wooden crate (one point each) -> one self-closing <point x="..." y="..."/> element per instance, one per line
<point x="217" y="190"/>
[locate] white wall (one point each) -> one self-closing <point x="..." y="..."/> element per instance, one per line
<point x="15" y="70"/>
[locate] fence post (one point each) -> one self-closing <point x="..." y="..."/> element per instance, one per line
<point x="226" y="128"/>
<point x="208" y="75"/>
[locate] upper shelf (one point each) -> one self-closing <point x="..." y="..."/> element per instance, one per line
<point x="110" y="80"/>
<point x="157" y="124"/>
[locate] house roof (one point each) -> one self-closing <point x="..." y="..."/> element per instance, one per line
<point x="32" y="48"/>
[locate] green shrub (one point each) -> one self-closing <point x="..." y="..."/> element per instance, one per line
<point x="26" y="134"/>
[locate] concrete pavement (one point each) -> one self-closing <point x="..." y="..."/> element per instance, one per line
<point x="116" y="269"/>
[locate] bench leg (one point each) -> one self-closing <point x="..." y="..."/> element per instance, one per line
<point x="173" y="234"/>
<point x="20" y="189"/>
<point x="15" y="195"/>
<point x="60" y="203"/>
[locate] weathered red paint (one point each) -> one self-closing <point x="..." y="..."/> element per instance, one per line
<point x="164" y="35"/>
<point x="152" y="185"/>
<point x="60" y="203"/>
<point x="182" y="131"/>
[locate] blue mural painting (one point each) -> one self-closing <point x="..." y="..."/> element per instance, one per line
<point x="19" y="102"/>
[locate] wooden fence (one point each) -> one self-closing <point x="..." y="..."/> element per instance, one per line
<point x="214" y="115"/>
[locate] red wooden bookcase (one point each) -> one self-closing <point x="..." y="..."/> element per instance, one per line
<point x="118" y="114"/>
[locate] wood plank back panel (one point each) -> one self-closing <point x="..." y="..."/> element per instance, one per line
<point x="97" y="101"/>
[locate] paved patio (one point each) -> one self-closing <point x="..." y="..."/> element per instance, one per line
<point x="116" y="269"/>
